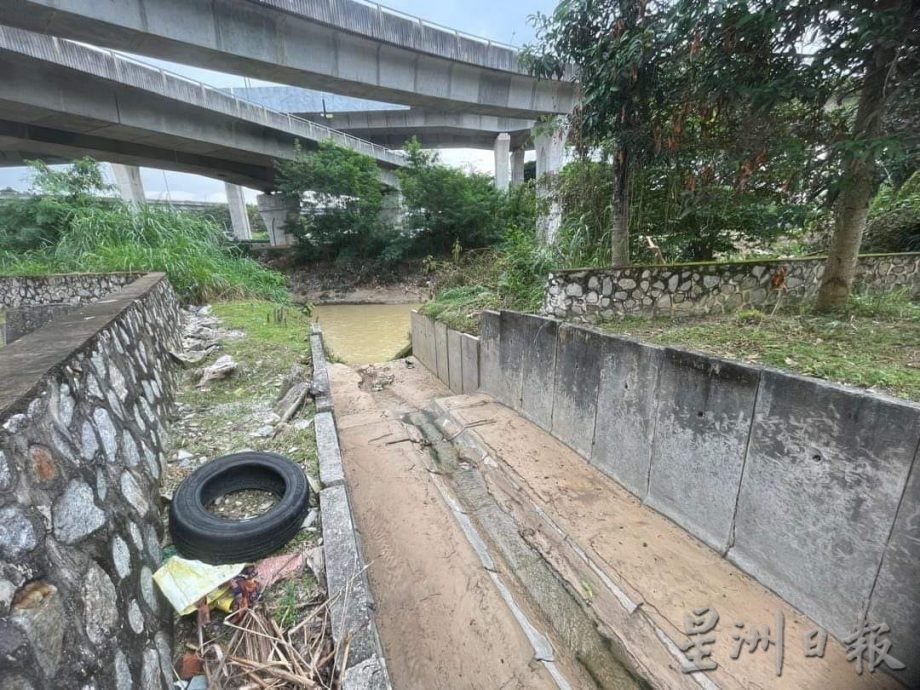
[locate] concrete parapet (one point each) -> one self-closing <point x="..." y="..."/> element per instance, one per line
<point x="321" y="392"/>
<point x="352" y="607"/>
<point x="450" y="355"/>
<point x="538" y="366"/>
<point x="627" y="404"/>
<point x="704" y="415"/>
<point x="824" y="475"/>
<point x="454" y="361"/>
<point x="351" y="601"/>
<point x="469" y="362"/>
<point x="331" y="472"/>
<point x="578" y="368"/>
<point x="810" y="487"/>
<point x="489" y="344"/>
<point x="440" y="349"/>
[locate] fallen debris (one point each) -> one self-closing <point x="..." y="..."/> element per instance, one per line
<point x="273" y="569"/>
<point x="260" y="651"/>
<point x="292" y="401"/>
<point x="221" y="369"/>
<point x="186" y="582"/>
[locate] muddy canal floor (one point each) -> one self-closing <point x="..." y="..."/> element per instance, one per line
<point x="443" y="619"/>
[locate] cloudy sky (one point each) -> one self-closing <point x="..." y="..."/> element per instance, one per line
<point x="500" y="21"/>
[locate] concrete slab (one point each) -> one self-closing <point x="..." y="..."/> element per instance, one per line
<point x="489" y="346"/>
<point x="513" y="345"/>
<point x="538" y="362"/>
<point x="578" y="363"/>
<point x="469" y="362"/>
<point x="420" y="348"/>
<point x="423" y="340"/>
<point x="454" y="361"/>
<point x="705" y="406"/>
<point x="825" y="472"/>
<point x="370" y="674"/>
<point x="327" y="450"/>
<point x="894" y="599"/>
<point x="320" y="390"/>
<point x="352" y="607"/>
<point x="432" y="352"/>
<point x="440" y="345"/>
<point x="627" y="402"/>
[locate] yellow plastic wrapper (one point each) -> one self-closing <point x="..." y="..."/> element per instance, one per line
<point x="184" y="582"/>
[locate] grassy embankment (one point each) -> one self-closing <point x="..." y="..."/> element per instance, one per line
<point x="873" y="343"/>
<point x="265" y="341"/>
<point x="201" y="263"/>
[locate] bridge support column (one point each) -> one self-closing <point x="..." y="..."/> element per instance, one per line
<point x="277" y="212"/>
<point x="517" y="167"/>
<point x="392" y="212"/>
<point x="129" y="184"/>
<point x="239" y="217"/>
<point x="550" y="153"/>
<point x="502" y="150"/>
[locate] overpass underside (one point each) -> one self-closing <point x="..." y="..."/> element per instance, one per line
<point x="343" y="47"/>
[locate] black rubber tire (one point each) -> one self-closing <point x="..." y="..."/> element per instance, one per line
<point x="198" y="534"/>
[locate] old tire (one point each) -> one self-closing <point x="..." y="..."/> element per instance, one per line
<point x="198" y="534"/>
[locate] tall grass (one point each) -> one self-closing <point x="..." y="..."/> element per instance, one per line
<point x="202" y="265"/>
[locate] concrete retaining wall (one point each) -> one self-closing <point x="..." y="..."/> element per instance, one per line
<point x="810" y="487"/>
<point x="83" y="406"/>
<point x="352" y="602"/>
<point x="710" y="288"/>
<point x="450" y="355"/>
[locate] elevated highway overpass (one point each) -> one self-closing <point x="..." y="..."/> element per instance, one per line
<point x="342" y="46"/>
<point x="61" y="99"/>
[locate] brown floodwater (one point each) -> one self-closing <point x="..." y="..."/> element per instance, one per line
<point x="365" y="333"/>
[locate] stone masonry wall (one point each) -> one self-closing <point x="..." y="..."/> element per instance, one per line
<point x="69" y="288"/>
<point x="709" y="288"/>
<point x="83" y="406"/>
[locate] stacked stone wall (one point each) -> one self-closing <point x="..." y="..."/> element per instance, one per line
<point x="83" y="410"/>
<point x="710" y="288"/>
<point x="69" y="288"/>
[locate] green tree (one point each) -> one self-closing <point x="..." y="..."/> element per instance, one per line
<point x="341" y="196"/>
<point x="665" y="77"/>
<point x="445" y="205"/>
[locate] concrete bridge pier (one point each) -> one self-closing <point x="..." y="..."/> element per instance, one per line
<point x="517" y="167"/>
<point x="277" y="212"/>
<point x="502" y="151"/>
<point x="393" y="212"/>
<point x="239" y="217"/>
<point x="550" y="146"/>
<point x="129" y="184"/>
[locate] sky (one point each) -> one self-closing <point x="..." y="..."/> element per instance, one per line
<point x="505" y="21"/>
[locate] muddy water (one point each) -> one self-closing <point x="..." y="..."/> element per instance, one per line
<point x="365" y="333"/>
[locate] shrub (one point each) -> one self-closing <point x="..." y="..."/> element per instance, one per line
<point x="342" y="198"/>
<point x="445" y="205"/>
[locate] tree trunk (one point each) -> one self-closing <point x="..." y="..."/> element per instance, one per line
<point x="619" y="234"/>
<point x="857" y="186"/>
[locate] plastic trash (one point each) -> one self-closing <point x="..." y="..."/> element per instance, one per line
<point x="185" y="582"/>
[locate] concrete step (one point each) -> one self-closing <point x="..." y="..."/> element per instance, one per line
<point x="612" y="580"/>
